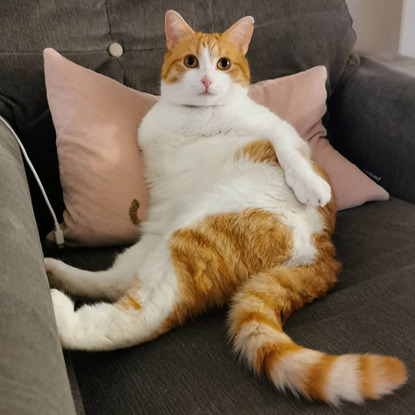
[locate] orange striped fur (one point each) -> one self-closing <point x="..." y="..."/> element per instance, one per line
<point x="260" y="151"/>
<point x="127" y="302"/>
<point x="215" y="256"/>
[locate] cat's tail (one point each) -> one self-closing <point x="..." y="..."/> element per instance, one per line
<point x="256" y="318"/>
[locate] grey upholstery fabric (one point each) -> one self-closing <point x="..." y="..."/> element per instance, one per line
<point x="192" y="370"/>
<point x="290" y="36"/>
<point x="372" y="123"/>
<point x="73" y="381"/>
<point x="32" y="372"/>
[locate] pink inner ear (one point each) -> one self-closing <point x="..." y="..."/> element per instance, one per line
<point x="176" y="29"/>
<point x="247" y="39"/>
<point x="241" y="32"/>
<point x="170" y="37"/>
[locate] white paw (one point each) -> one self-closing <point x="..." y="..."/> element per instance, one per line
<point x="314" y="190"/>
<point x="65" y="317"/>
<point x="52" y="267"/>
<point x="307" y="185"/>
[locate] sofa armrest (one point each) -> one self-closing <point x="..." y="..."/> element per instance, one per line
<point x="32" y="370"/>
<point x="372" y="123"/>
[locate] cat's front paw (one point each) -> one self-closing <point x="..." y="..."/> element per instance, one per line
<point x="53" y="270"/>
<point x="309" y="187"/>
<point x="63" y="308"/>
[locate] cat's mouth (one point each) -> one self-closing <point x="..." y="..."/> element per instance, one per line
<point x="206" y="93"/>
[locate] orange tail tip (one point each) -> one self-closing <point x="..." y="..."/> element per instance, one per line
<point x="385" y="373"/>
<point x="333" y="379"/>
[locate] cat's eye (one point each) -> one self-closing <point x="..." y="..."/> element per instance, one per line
<point x="224" y="64"/>
<point x="191" y="61"/>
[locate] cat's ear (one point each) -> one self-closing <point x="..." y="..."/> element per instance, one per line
<point x="176" y="29"/>
<point x="240" y="33"/>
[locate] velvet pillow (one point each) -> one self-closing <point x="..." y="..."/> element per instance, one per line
<point x="96" y="121"/>
<point x="101" y="169"/>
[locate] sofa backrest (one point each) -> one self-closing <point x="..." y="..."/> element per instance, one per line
<point x="289" y="36"/>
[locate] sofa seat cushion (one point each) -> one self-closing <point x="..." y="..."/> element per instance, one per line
<point x="193" y="370"/>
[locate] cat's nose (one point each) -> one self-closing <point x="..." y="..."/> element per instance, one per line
<point x="206" y="82"/>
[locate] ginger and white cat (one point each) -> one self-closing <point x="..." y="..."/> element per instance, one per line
<point x="238" y="215"/>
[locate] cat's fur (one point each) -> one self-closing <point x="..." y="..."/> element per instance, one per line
<point x="238" y="214"/>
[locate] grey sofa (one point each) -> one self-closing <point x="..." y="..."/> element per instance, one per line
<point x="192" y="370"/>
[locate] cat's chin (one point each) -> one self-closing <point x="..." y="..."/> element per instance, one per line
<point x="207" y="99"/>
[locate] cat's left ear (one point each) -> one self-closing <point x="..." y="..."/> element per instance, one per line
<point x="240" y="33"/>
<point x="176" y="29"/>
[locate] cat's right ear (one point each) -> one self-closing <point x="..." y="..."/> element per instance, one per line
<point x="241" y="32"/>
<point x="176" y="29"/>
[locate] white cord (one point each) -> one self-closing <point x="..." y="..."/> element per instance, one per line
<point x="60" y="241"/>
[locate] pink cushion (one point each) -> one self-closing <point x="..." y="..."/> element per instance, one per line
<point x="101" y="170"/>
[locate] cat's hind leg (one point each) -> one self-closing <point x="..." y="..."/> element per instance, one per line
<point x="110" y="284"/>
<point x="137" y="316"/>
<point x="257" y="314"/>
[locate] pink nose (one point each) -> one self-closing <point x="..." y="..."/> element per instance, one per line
<point x="206" y="82"/>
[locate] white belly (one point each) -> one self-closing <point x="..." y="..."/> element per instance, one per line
<point x="204" y="179"/>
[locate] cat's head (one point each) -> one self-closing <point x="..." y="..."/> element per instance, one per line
<point x="204" y="69"/>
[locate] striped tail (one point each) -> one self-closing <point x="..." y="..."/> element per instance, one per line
<point x="256" y="317"/>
